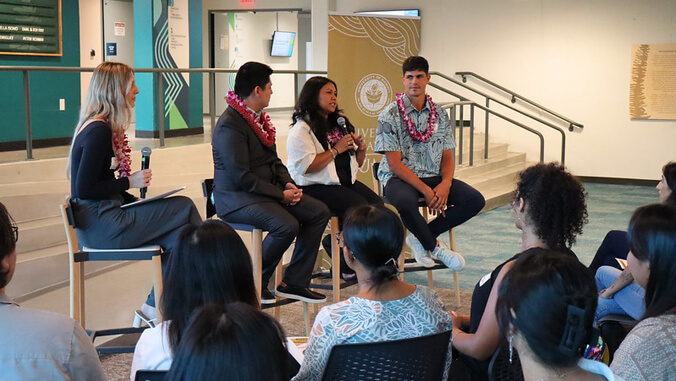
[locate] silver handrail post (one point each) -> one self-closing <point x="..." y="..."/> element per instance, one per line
<point x="212" y="99"/>
<point x="29" y="127"/>
<point x="160" y="108"/>
<point x="462" y="132"/>
<point x="471" y="134"/>
<point x="486" y="130"/>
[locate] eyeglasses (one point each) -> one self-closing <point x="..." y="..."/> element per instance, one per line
<point x="15" y="232"/>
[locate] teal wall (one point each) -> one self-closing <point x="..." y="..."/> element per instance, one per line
<point x="150" y="18"/>
<point x="46" y="88"/>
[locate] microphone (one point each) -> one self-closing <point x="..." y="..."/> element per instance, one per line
<point x="343" y="129"/>
<point x="145" y="164"/>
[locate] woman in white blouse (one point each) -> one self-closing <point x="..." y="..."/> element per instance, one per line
<point x="325" y="153"/>
<point x="385" y="308"/>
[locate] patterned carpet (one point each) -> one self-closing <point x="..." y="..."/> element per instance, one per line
<point x="485" y="241"/>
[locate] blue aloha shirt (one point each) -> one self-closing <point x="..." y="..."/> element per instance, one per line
<point x="424" y="159"/>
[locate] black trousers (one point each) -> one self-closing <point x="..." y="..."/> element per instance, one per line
<point x="614" y="245"/>
<point x="104" y="225"/>
<point x="464" y="202"/>
<point x="304" y="221"/>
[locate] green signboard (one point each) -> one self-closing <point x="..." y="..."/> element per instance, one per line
<point x="30" y="27"/>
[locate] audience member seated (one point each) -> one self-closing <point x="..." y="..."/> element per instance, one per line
<point x="550" y="210"/>
<point x="230" y="342"/>
<point x="615" y="244"/>
<point x="211" y="265"/>
<point x="324" y="161"/>
<point x="550" y="341"/>
<point x="385" y="308"/>
<point x="648" y="353"/>
<point x="38" y="345"/>
<point x="619" y="294"/>
<point x="100" y="148"/>
<point x="252" y="186"/>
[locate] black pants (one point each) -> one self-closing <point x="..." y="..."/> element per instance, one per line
<point x="104" y="225"/>
<point x="464" y="202"/>
<point x="614" y="245"/>
<point x="304" y="221"/>
<point x="339" y="199"/>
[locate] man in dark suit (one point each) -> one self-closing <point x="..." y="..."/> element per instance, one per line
<point x="252" y="186"/>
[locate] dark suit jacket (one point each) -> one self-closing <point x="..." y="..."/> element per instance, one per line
<point x="245" y="170"/>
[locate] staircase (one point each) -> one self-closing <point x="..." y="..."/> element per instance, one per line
<point x="32" y="191"/>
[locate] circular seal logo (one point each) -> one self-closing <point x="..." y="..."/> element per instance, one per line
<point x="372" y="94"/>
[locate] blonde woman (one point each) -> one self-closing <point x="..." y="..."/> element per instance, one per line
<point x="99" y="149"/>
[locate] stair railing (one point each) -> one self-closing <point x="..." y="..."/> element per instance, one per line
<point x="457" y="109"/>
<point x="489" y="98"/>
<point x="514" y="97"/>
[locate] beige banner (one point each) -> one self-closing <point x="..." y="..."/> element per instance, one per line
<point x="652" y="91"/>
<point x="365" y="56"/>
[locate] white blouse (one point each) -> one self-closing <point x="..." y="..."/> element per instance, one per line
<point x="302" y="147"/>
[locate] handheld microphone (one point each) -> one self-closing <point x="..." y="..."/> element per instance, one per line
<point x="343" y="129"/>
<point x="145" y="164"/>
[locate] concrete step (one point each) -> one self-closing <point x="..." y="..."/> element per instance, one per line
<point x="41" y="233"/>
<point x="485" y="165"/>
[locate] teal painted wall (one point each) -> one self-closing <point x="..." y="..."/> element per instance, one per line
<point x="45" y="88"/>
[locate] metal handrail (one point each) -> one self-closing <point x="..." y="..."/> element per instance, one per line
<point x="571" y="124"/>
<point x="487" y="110"/>
<point x="489" y="98"/>
<point x="157" y="71"/>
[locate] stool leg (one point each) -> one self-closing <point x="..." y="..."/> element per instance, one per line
<point x="306" y="317"/>
<point x="257" y="258"/>
<point x="77" y="291"/>
<point x="335" y="260"/>
<point x="430" y="279"/>
<point x="157" y="282"/>
<point x="276" y="311"/>
<point x="401" y="262"/>
<point x="457" y="287"/>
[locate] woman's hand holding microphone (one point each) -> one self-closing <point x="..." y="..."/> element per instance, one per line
<point x="140" y="179"/>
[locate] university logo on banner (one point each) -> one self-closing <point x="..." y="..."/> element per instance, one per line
<point x="365" y="57"/>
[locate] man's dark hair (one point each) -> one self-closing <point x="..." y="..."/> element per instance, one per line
<point x="250" y="75"/>
<point x="7" y="242"/>
<point x="414" y="63"/>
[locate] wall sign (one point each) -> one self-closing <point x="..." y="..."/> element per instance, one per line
<point x="31" y="27"/>
<point x="111" y="48"/>
<point x="652" y="90"/>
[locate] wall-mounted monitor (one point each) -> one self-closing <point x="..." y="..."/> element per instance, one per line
<point x="282" y="44"/>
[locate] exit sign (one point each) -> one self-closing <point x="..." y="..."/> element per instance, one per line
<point x="247" y="2"/>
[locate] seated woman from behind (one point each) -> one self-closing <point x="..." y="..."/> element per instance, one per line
<point x="210" y="264"/>
<point x="373" y="237"/>
<point x="550" y="341"/>
<point x="649" y="351"/>
<point x="230" y="342"/>
<point x="550" y="210"/>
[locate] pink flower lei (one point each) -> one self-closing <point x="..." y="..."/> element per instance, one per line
<point x="334" y="136"/>
<point x="265" y="130"/>
<point x="431" y="121"/>
<point x="122" y="153"/>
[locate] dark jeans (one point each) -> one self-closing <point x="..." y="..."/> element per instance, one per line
<point x="339" y="199"/>
<point x="104" y="225"/>
<point x="464" y="202"/>
<point x="614" y="245"/>
<point x="304" y="221"/>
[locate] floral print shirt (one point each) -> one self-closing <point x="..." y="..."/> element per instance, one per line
<point x="358" y="320"/>
<point x="424" y="159"/>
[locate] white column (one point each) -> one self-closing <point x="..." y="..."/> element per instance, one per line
<point x="320" y="35"/>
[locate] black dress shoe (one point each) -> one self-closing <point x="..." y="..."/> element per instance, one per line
<point x="267" y="297"/>
<point x="303" y="294"/>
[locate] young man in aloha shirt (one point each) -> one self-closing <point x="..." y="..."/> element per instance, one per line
<point x="417" y="140"/>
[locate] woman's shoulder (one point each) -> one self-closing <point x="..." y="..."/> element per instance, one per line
<point x="96" y="128"/>
<point x="299" y="126"/>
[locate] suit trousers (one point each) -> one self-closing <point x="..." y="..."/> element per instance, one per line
<point x="464" y="202"/>
<point x="104" y="225"/>
<point x="304" y="221"/>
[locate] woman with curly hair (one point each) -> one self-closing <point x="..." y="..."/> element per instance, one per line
<point x="550" y="210"/>
<point x="325" y="153"/>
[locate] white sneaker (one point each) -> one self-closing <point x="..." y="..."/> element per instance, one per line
<point x="422" y="256"/>
<point x="450" y="258"/>
<point x="146" y="314"/>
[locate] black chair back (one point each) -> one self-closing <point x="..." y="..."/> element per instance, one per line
<point x="500" y="369"/>
<point x="150" y="375"/>
<point x="415" y="359"/>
